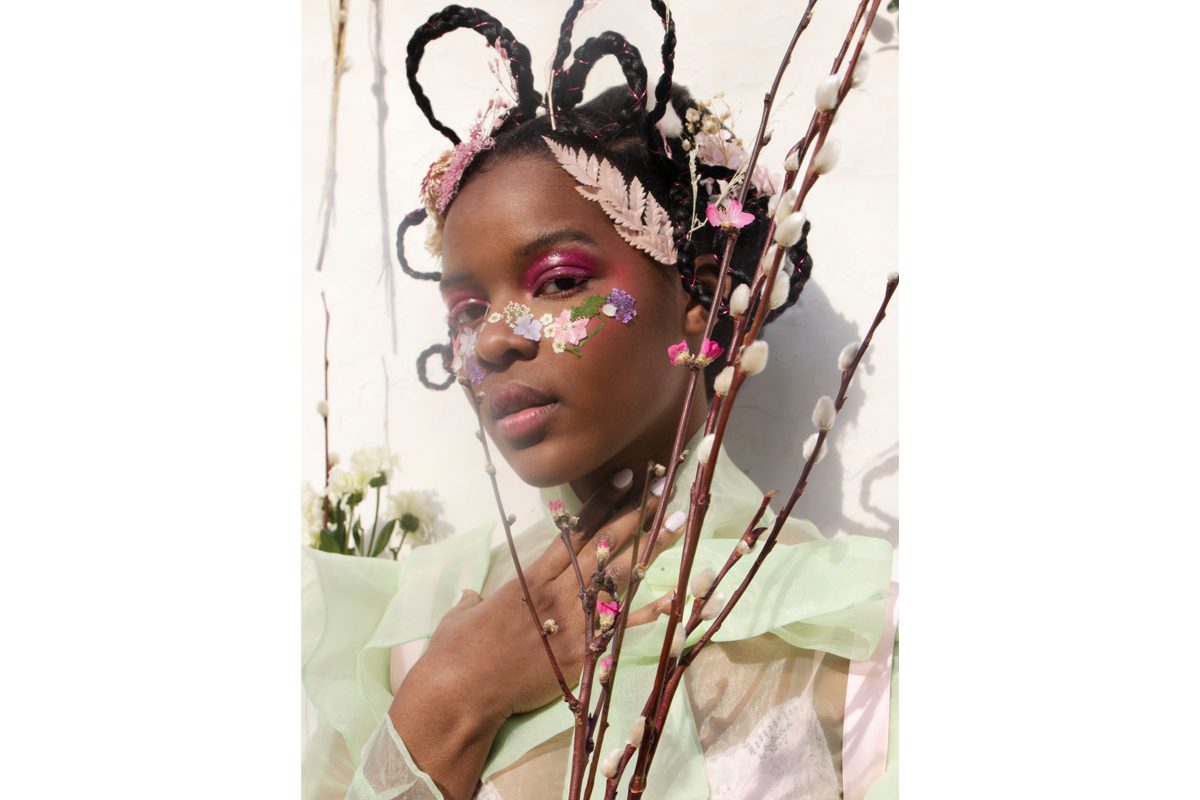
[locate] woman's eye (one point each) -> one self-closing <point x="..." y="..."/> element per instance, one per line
<point x="561" y="284"/>
<point x="467" y="314"/>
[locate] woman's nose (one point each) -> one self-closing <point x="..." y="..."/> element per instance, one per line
<point x="499" y="343"/>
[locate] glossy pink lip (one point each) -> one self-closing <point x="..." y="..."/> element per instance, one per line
<point x="520" y="411"/>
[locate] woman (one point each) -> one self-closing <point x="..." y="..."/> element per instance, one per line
<point x="577" y="394"/>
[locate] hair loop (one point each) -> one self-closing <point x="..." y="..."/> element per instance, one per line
<point x="438" y="349"/>
<point x="452" y="18"/>
<point x="567" y="86"/>
<point x="410" y="219"/>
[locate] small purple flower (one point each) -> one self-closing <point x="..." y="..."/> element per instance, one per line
<point x="528" y="327"/>
<point x="473" y="370"/>
<point x="622" y="303"/>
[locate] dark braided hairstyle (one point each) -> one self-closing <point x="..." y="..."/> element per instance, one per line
<point x="615" y="126"/>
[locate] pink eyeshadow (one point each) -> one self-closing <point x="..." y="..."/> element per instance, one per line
<point x="562" y="262"/>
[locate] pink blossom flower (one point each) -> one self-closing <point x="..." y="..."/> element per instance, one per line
<point x="556" y="507"/>
<point x="676" y="352"/>
<point x="608" y="607"/>
<point x="568" y="331"/>
<point x="728" y="215"/>
<point x="711" y="350"/>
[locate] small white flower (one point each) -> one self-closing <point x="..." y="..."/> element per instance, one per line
<point x="677" y="642"/>
<point x="559" y="347"/>
<point x="780" y="290"/>
<point x="739" y="301"/>
<point x="824" y="413"/>
<point x="827" y="156"/>
<point x="754" y="358"/>
<point x="609" y="310"/>
<point x="705" y="448"/>
<point x="827" y="93"/>
<point x="550" y="331"/>
<point x="702" y="581"/>
<point x="743" y="547"/>
<point x="546" y="319"/>
<point x="786" y="204"/>
<point x="810" y="444"/>
<point x="312" y="512"/>
<point x="713" y="607"/>
<point x="692" y="114"/>
<point x="415" y="512"/>
<point x="323" y="409"/>
<point x="788" y="232"/>
<point x="613" y="760"/>
<point x="792" y="164"/>
<point x="846" y="357"/>
<point x="861" y="69"/>
<point x="724" y="381"/>
<point x="374" y="460"/>
<point x="637" y="730"/>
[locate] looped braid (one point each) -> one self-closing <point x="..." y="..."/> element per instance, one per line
<point x="567" y="88"/>
<point x="410" y="219"/>
<point x="662" y="90"/>
<point x="437" y="349"/>
<point x="452" y="18"/>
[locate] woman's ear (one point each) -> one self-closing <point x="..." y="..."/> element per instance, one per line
<point x="707" y="271"/>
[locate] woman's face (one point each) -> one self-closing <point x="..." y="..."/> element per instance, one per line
<point x="519" y="233"/>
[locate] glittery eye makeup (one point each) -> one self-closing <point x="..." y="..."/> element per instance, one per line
<point x="558" y="272"/>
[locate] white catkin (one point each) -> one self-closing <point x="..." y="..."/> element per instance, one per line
<point x="323" y="409"/>
<point x="786" y="204"/>
<point x="743" y="547"/>
<point x="893" y="276"/>
<point x="723" y="382"/>
<point x="827" y="93"/>
<point x="827" y="157"/>
<point x="705" y="448"/>
<point x="861" y="69"/>
<point x="754" y="358"/>
<point x="810" y="443"/>
<point x="739" y="301"/>
<point x="824" y="413"/>
<point x="613" y="760"/>
<point x="677" y="642"/>
<point x="788" y="232"/>
<point x="780" y="290"/>
<point x="846" y="357"/>
<point x="792" y="164"/>
<point x="713" y="607"/>
<point x="702" y="581"/>
<point x="637" y="730"/>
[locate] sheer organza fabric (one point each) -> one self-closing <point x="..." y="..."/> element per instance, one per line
<point x="760" y="714"/>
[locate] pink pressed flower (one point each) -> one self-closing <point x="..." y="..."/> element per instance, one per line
<point x="568" y="331"/>
<point x="556" y="507"/>
<point x="728" y="215"/>
<point x="676" y="352"/>
<point x="711" y="350"/>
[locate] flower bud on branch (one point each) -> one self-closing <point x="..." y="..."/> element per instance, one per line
<point x="705" y="448"/>
<point x="810" y="444"/>
<point x="788" y="232"/>
<point x="702" y="581"/>
<point x="713" y="607"/>
<point x="824" y="413"/>
<point x="846" y="357"/>
<point x="724" y="381"/>
<point x="786" y="205"/>
<point x="637" y="730"/>
<point x="739" y="301"/>
<point x="613" y="760"/>
<point x="827" y="157"/>
<point x="754" y="358"/>
<point x="827" y="93"/>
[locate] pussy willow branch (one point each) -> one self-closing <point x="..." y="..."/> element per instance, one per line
<point x="568" y="697"/>
<point x="657" y="704"/>
<point x="801" y="484"/>
<point x="325" y="417"/>
<point x="619" y="636"/>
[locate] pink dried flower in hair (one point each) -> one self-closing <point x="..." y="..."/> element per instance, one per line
<point x="728" y="215"/>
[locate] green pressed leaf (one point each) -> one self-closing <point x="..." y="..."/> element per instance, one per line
<point x="589" y="308"/>
<point x="385" y="536"/>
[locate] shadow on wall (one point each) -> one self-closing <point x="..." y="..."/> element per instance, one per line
<point x="773" y="418"/>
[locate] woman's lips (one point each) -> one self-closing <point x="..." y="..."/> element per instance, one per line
<point x="520" y="411"/>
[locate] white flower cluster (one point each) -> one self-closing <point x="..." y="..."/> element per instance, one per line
<point x="365" y="465"/>
<point x="312" y="514"/>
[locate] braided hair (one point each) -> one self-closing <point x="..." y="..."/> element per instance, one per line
<point x="616" y="126"/>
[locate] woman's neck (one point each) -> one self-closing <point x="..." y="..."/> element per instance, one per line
<point x="656" y="443"/>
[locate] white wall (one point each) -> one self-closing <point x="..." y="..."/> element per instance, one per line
<point x="735" y="48"/>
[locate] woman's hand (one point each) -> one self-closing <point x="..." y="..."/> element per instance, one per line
<point x="485" y="662"/>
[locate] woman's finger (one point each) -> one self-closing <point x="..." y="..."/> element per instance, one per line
<point x="672" y="530"/>
<point x="652" y="611"/>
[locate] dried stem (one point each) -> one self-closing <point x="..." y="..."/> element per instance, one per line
<point x="340" y="19"/>
<point x="325" y="509"/>
<point x="568" y="696"/>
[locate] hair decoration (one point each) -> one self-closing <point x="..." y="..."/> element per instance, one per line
<point x="639" y="218"/>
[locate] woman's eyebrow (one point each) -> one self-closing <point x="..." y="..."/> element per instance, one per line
<point x="551" y="238"/>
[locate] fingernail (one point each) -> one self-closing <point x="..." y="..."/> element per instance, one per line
<point x="623" y="478"/>
<point x="675" y="521"/>
<point x="656" y="488"/>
